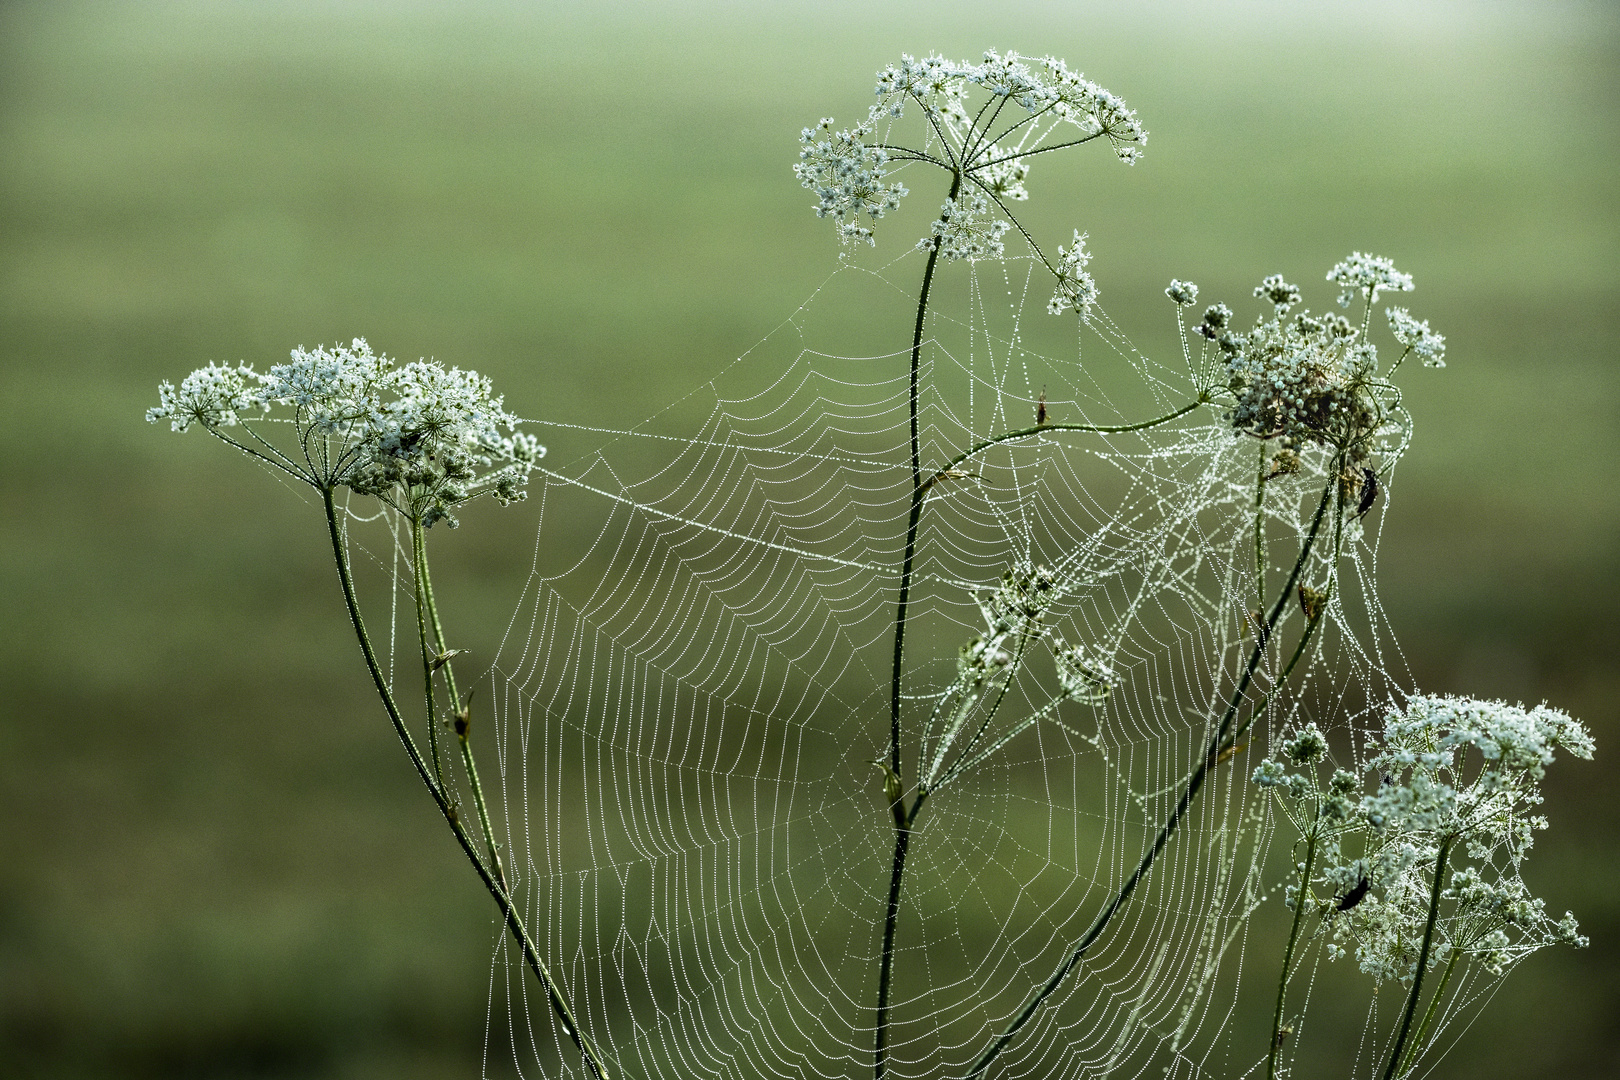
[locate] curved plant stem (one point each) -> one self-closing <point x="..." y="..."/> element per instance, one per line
<point x="514" y="922"/>
<point x="1423" y="960"/>
<point x="1194" y="784"/>
<point x="925" y="779"/>
<point x="462" y="711"/>
<point x="1043" y="429"/>
<point x="1288" y="953"/>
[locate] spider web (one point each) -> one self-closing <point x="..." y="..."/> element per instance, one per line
<point x="687" y="704"/>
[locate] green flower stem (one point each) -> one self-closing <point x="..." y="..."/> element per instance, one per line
<point x="897" y="809"/>
<point x="964" y="764"/>
<point x="514" y="921"/>
<point x="1392" y="368"/>
<point x="1194" y="784"/>
<point x="1428" y="1015"/>
<point x="926" y="781"/>
<point x="417" y="557"/>
<point x="1044" y="429"/>
<point x="1260" y="530"/>
<point x="1305" y="638"/>
<point x="1288" y="953"/>
<point x="461" y="710"/>
<point x="1423" y="960"/>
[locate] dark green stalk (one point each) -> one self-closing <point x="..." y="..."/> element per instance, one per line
<point x="1194" y="784"/>
<point x="1042" y="429"/>
<point x="1423" y="959"/>
<point x="1428" y="1015"/>
<point x="418" y="570"/>
<point x="1038" y="150"/>
<point x="1288" y="953"/>
<point x="514" y="921"/>
<point x="990" y="713"/>
<point x="1260" y="529"/>
<point x="461" y="710"/>
<point x="897" y="809"/>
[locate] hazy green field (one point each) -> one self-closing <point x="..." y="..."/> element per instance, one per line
<point x="209" y="870"/>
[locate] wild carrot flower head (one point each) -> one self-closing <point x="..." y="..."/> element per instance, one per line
<point x="983" y="122"/>
<point x="1307" y="379"/>
<point x="422" y="438"/>
<point x="1367" y="275"/>
<point x="1076" y="291"/>
<point x="1429" y="346"/>
<point x="1453" y="775"/>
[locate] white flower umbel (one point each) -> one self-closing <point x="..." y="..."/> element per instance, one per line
<point x="1443" y="837"/>
<point x="1367" y="275"/>
<point x="424" y="439"/>
<point x="965" y="229"/>
<point x="983" y="123"/>
<point x="1314" y="380"/>
<point x="1076" y="291"/>
<point x="1419" y="340"/>
<point x="847" y="176"/>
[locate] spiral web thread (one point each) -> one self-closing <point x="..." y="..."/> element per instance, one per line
<point x="687" y="704"/>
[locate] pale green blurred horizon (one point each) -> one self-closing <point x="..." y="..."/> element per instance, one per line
<point x="218" y="863"/>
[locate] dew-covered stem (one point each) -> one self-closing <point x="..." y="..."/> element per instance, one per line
<point x="1195" y="783"/>
<point x="1422" y="962"/>
<point x="1048" y="428"/>
<point x="461" y="710"/>
<point x="1288" y="953"/>
<point x="1429" y="1013"/>
<point x="1260" y="530"/>
<point x="503" y="900"/>
<point x="418" y="572"/>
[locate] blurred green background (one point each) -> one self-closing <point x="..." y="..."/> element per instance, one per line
<point x="209" y="869"/>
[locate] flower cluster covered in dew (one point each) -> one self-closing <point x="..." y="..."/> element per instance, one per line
<point x="423" y="438"/>
<point x="1449" y="771"/>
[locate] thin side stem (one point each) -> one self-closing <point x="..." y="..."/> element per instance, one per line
<point x="1260" y="529"/>
<point x="912" y="155"/>
<point x="989" y="716"/>
<point x="514" y="921"/>
<point x="962" y="765"/>
<point x="1194" y="784"/>
<point x="1392" y="368"/>
<point x="1288" y="953"/>
<point x="1039" y="254"/>
<point x="1042" y="429"/>
<point x="1310" y="629"/>
<point x="419" y="560"/>
<point x="955" y="162"/>
<point x="1428" y="1015"/>
<point x="976" y="135"/>
<point x="1031" y="118"/>
<point x="461" y="710"/>
<point x="1038" y="150"/>
<point x="1423" y="960"/>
